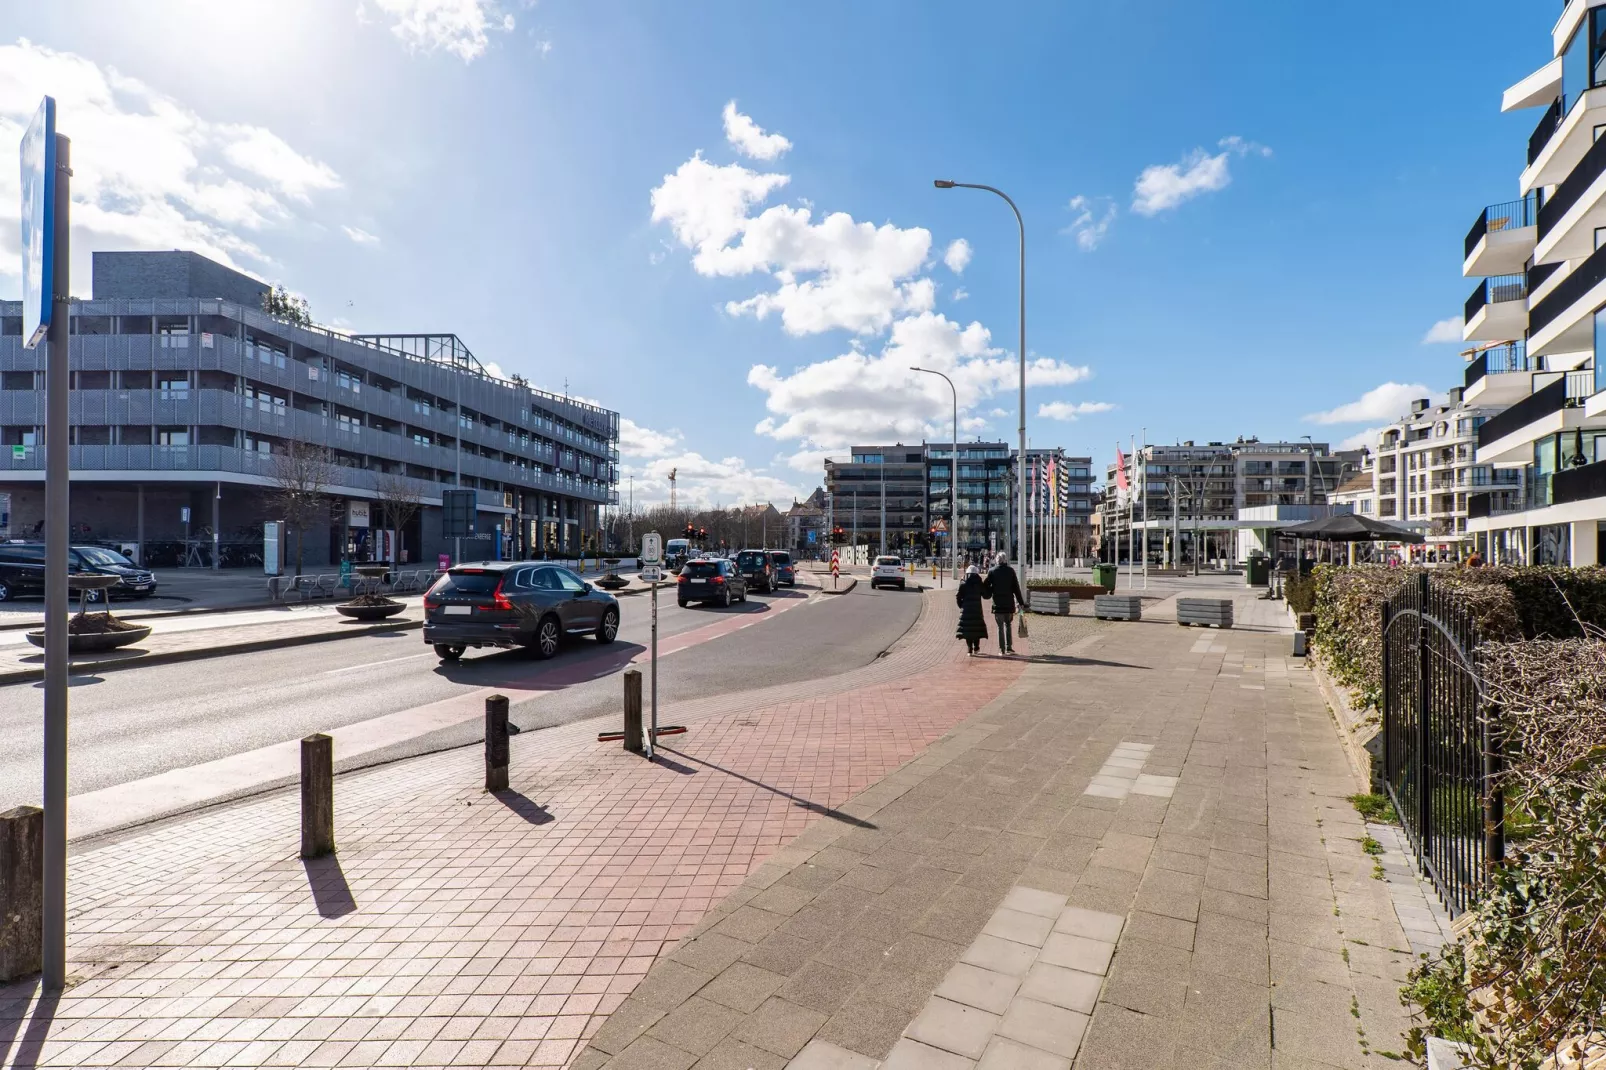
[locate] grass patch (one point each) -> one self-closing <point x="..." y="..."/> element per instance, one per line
<point x="1375" y="807"/>
<point x="1371" y="846"/>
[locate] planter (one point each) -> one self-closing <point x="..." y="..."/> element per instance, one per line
<point x="1075" y="591"/>
<point x="1117" y="607"/>
<point x="97" y="642"/>
<point x="369" y="612"/>
<point x="612" y="581"/>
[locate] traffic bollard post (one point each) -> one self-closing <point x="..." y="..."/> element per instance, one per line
<point x="22" y="892"/>
<point x="633" y="738"/>
<point x="496" y="748"/>
<point x="317" y="796"/>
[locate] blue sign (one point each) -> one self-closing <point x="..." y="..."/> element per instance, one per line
<point x="811" y="535"/>
<point x="38" y="222"/>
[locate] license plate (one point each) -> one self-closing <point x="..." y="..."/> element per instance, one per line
<point x="459" y="610"/>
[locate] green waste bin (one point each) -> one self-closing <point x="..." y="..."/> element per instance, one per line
<point x="1104" y="576"/>
<point x="1257" y="571"/>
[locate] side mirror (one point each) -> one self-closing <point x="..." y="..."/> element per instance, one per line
<point x="586" y="588"/>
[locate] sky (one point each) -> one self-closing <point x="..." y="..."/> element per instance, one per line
<point x="718" y="218"/>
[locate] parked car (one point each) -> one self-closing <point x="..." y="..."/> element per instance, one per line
<point x="514" y="604"/>
<point x="708" y="580"/>
<point x="887" y="571"/>
<point x="781" y="563"/>
<point x="22" y="571"/>
<point x="754" y="565"/>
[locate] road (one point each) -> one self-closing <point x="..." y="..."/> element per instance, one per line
<point x="138" y="723"/>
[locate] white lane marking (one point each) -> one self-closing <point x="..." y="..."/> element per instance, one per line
<point x="372" y="664"/>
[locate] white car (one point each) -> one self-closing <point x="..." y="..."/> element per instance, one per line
<point x="887" y="570"/>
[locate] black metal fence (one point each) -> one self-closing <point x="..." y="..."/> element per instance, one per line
<point x="1440" y="751"/>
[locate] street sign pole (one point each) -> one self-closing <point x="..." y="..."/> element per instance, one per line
<point x="652" y="556"/>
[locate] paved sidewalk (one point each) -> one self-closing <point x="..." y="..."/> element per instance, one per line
<point x="1140" y="855"/>
<point x="456" y="928"/>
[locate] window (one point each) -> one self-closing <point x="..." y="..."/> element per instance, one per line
<point x="567" y="580"/>
<point x="348" y="381"/>
<point x="257" y="398"/>
<point x="253" y="444"/>
<point x="172" y="436"/>
<point x="175" y="337"/>
<point x="347" y="424"/>
<point x="174" y="388"/>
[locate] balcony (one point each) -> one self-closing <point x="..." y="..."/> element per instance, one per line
<point x="1499" y="375"/>
<point x="1579" y="484"/>
<point x="1556" y="404"/>
<point x="1564" y="134"/>
<point x="1541" y="133"/>
<point x="1497" y="309"/>
<point x="1568" y="219"/>
<point x="1562" y="320"/>
<point x="1503" y="237"/>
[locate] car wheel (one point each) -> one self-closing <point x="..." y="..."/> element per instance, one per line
<point x="609" y="628"/>
<point x="447" y="652"/>
<point x="726" y="601"/>
<point x="94" y="598"/>
<point x="547" y="635"/>
<point x="682" y="602"/>
<point x="900" y="585"/>
<point x="5" y="593"/>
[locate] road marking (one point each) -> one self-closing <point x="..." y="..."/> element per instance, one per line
<point x="372" y="664"/>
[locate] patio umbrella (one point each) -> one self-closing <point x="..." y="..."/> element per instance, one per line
<point x="1352" y="527"/>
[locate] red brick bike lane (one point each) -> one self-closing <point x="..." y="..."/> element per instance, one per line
<point x="456" y="928"/>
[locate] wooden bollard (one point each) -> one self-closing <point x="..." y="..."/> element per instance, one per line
<point x="22" y="891"/>
<point x="496" y="750"/>
<point x="317" y="796"/>
<point x="633" y="734"/>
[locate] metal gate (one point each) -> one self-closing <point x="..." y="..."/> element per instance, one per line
<point x="1440" y="750"/>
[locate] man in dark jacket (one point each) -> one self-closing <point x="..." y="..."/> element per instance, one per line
<point x="1004" y="588"/>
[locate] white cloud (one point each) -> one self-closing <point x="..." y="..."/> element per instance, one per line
<point x="1445" y="330"/>
<point x="749" y="139"/>
<point x="150" y="173"/>
<point x="461" y="27"/>
<point x="1162" y="187"/>
<point x="1065" y="410"/>
<point x="360" y="236"/>
<point x="703" y="483"/>
<point x="1093" y="218"/>
<point x="1382" y="403"/>
<point x="638" y="441"/>
<point x="957" y="256"/>
<point x="1361" y="439"/>
<point x="959" y="295"/>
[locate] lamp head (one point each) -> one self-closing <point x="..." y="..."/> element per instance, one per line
<point x="943" y="183"/>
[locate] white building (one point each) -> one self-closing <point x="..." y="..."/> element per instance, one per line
<point x="1540" y="299"/>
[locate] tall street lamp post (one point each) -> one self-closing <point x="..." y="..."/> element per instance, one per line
<point x="953" y="477"/>
<point x="1020" y="468"/>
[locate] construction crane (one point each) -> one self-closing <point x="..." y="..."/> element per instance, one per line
<point x="672" y="473"/>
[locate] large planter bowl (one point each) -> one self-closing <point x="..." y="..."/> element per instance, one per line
<point x="94" y="644"/>
<point x="612" y="582"/>
<point x="369" y="612"/>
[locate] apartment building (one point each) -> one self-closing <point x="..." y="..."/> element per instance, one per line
<point x="1538" y="310"/>
<point x="186" y="395"/>
<point x="876" y="480"/>
<point x="1059" y="502"/>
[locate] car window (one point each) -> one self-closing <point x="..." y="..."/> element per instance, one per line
<point x="523" y="579"/>
<point x="888" y="561"/>
<point x="99" y="555"/>
<point x="455" y="582"/>
<point x="22" y="555"/>
<point x="750" y="559"/>
<point x="701" y="570"/>
<point x="781" y="559"/>
<point x="544" y="579"/>
<point x="567" y="580"/>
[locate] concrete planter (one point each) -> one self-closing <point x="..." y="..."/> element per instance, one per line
<point x="369" y="612"/>
<point x="95" y="644"/>
<point x="1118" y="607"/>
<point x="1205" y="612"/>
<point x="612" y="581"/>
<point x="1056" y="601"/>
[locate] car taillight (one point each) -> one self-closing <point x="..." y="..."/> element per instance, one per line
<point x="719" y="579"/>
<point x="684" y="578"/>
<point x="498" y="599"/>
<point x="431" y="603"/>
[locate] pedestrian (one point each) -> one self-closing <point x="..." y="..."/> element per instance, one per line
<point x="972" y="628"/>
<point x="1003" y="586"/>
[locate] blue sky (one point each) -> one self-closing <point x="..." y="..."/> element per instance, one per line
<point x="1273" y="198"/>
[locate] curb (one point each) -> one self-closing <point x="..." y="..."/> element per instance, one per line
<point x="853" y="581"/>
<point x="23" y="676"/>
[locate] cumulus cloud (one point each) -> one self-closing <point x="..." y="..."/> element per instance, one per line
<point x="1445" y="330"/>
<point x="1361" y="439"/>
<point x="957" y="256"/>
<point x="360" y="236"/>
<point x="749" y="139"/>
<point x="459" y="27"/>
<point x="1092" y="222"/>
<point x="151" y="173"/>
<point x="959" y="295"/>
<point x="1382" y="403"/>
<point x="638" y="441"/>
<point x="1065" y="410"/>
<point x="1161" y="187"/>
<point x="705" y="483"/>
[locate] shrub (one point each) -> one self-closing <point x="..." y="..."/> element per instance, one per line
<point x="1301" y="593"/>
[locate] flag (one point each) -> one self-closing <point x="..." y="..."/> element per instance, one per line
<point x="1120" y="468"/>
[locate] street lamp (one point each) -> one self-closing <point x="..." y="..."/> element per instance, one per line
<point x="1020" y="527"/>
<point x="953" y="475"/>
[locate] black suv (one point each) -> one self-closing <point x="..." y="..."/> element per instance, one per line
<point x="514" y="604"/>
<point x="757" y="569"/>
<point x="708" y="580"/>
<point x="22" y="571"/>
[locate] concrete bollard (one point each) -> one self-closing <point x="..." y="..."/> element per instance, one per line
<point x="317" y="796"/>
<point x="22" y="892"/>
<point x="633" y="733"/>
<point x="496" y="750"/>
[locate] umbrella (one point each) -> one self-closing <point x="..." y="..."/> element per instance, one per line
<point x="1352" y="527"/>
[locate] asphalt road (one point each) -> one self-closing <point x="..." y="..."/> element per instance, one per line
<point x="137" y="723"/>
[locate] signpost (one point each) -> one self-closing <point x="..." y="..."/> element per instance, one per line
<point x="46" y="252"/>
<point x="836" y="566"/>
<point x="652" y="556"/>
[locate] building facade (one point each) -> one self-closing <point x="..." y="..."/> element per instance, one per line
<point x="187" y="396"/>
<point x="876" y="480"/>
<point x="1059" y="503"/>
<point x="1539" y="309"/>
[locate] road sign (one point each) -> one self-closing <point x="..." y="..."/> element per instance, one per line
<point x="652" y="548"/>
<point x="458" y="508"/>
<point x="940" y="527"/>
<point x="19" y="453"/>
<point x="651" y="574"/>
<point x="38" y="222"/>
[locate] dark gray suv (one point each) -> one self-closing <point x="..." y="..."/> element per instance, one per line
<point x="515" y="604"/>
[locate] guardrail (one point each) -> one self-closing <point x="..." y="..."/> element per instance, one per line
<point x="1506" y="216"/>
<point x="1495" y="290"/>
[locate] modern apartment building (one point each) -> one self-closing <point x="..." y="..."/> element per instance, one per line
<point x="1059" y="502"/>
<point x="186" y="396"/>
<point x="1538" y="306"/>
<point x="874" y="478"/>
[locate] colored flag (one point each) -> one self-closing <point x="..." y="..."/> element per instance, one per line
<point x="1120" y="468"/>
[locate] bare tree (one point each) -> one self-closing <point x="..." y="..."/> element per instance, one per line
<point x="301" y="476"/>
<point x="400" y="498"/>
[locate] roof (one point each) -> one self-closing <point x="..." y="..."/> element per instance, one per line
<point x="1358" y="483"/>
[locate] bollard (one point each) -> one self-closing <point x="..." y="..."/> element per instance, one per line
<point x="317" y="796"/>
<point x="633" y="737"/>
<point x="22" y="892"/>
<point x="496" y="743"/>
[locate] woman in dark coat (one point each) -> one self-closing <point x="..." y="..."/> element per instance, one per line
<point x="972" y="621"/>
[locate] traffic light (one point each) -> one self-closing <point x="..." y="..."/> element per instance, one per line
<point x="838" y="536"/>
<point x="691" y="531"/>
<point x="702" y="533"/>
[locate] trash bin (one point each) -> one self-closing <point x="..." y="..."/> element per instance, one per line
<point x="1257" y="572"/>
<point x="1104" y="576"/>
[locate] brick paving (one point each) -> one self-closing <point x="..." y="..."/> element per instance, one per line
<point x="456" y="928"/>
<point x="1227" y="917"/>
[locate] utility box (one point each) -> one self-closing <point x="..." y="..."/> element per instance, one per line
<point x="273" y="548"/>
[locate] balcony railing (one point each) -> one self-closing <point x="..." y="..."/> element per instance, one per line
<point x="1507" y="216"/>
<point x="1547" y="126"/>
<point x="1579" y="484"/>
<point x="1568" y="291"/>
<point x="1540" y="403"/>
<point x="1495" y="289"/>
<point x="1501" y="359"/>
<point x="1567" y="193"/>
